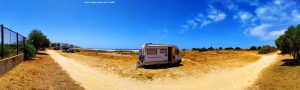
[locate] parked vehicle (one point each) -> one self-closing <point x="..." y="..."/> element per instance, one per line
<point x="69" y="50"/>
<point x="77" y="50"/>
<point x="42" y="49"/>
<point x="64" y="49"/>
<point x="152" y="54"/>
<point x="56" y="48"/>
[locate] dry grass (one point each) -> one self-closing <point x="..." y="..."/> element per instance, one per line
<point x="42" y="73"/>
<point x="194" y="64"/>
<point x="283" y="75"/>
<point x="222" y="58"/>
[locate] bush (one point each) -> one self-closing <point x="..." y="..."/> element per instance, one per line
<point x="258" y="47"/>
<point x="6" y="50"/>
<point x="211" y="48"/>
<point x="203" y="49"/>
<point x="266" y="49"/>
<point x="29" y="51"/>
<point x="195" y="49"/>
<point x="237" y="48"/>
<point x="253" y="48"/>
<point x="229" y="48"/>
<point x="220" y="48"/>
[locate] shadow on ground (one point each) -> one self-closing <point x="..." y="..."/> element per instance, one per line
<point x="41" y="53"/>
<point x="163" y="66"/>
<point x="290" y="62"/>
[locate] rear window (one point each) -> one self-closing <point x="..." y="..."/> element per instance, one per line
<point x="163" y="51"/>
<point x="151" y="51"/>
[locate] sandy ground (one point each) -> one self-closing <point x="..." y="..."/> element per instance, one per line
<point x="282" y="75"/>
<point x="194" y="64"/>
<point x="39" y="74"/>
<point x="236" y="78"/>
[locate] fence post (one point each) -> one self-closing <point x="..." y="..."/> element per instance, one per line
<point x="24" y="45"/>
<point x="2" y="41"/>
<point x="17" y="43"/>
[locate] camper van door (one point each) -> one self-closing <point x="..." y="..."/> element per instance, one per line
<point x="170" y="54"/>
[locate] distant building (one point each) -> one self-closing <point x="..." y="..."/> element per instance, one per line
<point x="64" y="45"/>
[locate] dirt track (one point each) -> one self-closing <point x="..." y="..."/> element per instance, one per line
<point x="92" y="79"/>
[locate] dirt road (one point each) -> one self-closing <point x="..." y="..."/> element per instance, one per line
<point x="92" y="79"/>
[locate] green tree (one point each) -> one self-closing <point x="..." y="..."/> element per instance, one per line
<point x="237" y="48"/>
<point x="258" y="47"/>
<point x="210" y="48"/>
<point x="203" y="49"/>
<point x="289" y="42"/>
<point x="266" y="49"/>
<point x="253" y="48"/>
<point x="229" y="48"/>
<point x="38" y="39"/>
<point x="220" y="48"/>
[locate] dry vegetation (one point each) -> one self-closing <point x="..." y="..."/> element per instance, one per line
<point x="194" y="63"/>
<point x="42" y="73"/>
<point x="283" y="75"/>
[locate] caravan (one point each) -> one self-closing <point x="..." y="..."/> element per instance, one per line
<point x="152" y="54"/>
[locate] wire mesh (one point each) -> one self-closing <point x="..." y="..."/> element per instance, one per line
<point x="12" y="43"/>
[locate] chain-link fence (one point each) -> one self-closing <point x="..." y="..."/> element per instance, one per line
<point x="12" y="43"/>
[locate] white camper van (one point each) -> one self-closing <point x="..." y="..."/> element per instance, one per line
<point x="151" y="54"/>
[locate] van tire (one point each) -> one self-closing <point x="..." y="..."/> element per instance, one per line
<point x="138" y="64"/>
<point x="178" y="62"/>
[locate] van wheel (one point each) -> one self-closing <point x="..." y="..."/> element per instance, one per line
<point x="138" y="64"/>
<point x="178" y="62"/>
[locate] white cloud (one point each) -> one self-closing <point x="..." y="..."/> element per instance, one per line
<point x="264" y="22"/>
<point x="260" y="11"/>
<point x="192" y="24"/>
<point x="264" y="32"/>
<point x="277" y="2"/>
<point x="269" y="17"/>
<point x="232" y="6"/>
<point x="244" y="16"/>
<point x="259" y="31"/>
<point x="296" y="14"/>
<point x="276" y="33"/>
<point x="205" y="22"/>
<point x="276" y="11"/>
<point x="200" y="20"/>
<point x="215" y="15"/>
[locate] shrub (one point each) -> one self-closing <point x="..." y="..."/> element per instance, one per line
<point x="237" y="48"/>
<point x="211" y="48"/>
<point x="266" y="49"/>
<point x="258" y="47"/>
<point x="220" y="48"/>
<point x="29" y="51"/>
<point x="194" y="49"/>
<point x="229" y="48"/>
<point x="253" y="48"/>
<point x="203" y="49"/>
<point x="7" y="51"/>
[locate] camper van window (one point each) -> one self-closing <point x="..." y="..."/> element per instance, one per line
<point x="151" y="51"/>
<point x="163" y="51"/>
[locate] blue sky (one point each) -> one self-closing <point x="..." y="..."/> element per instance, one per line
<point x="131" y="23"/>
